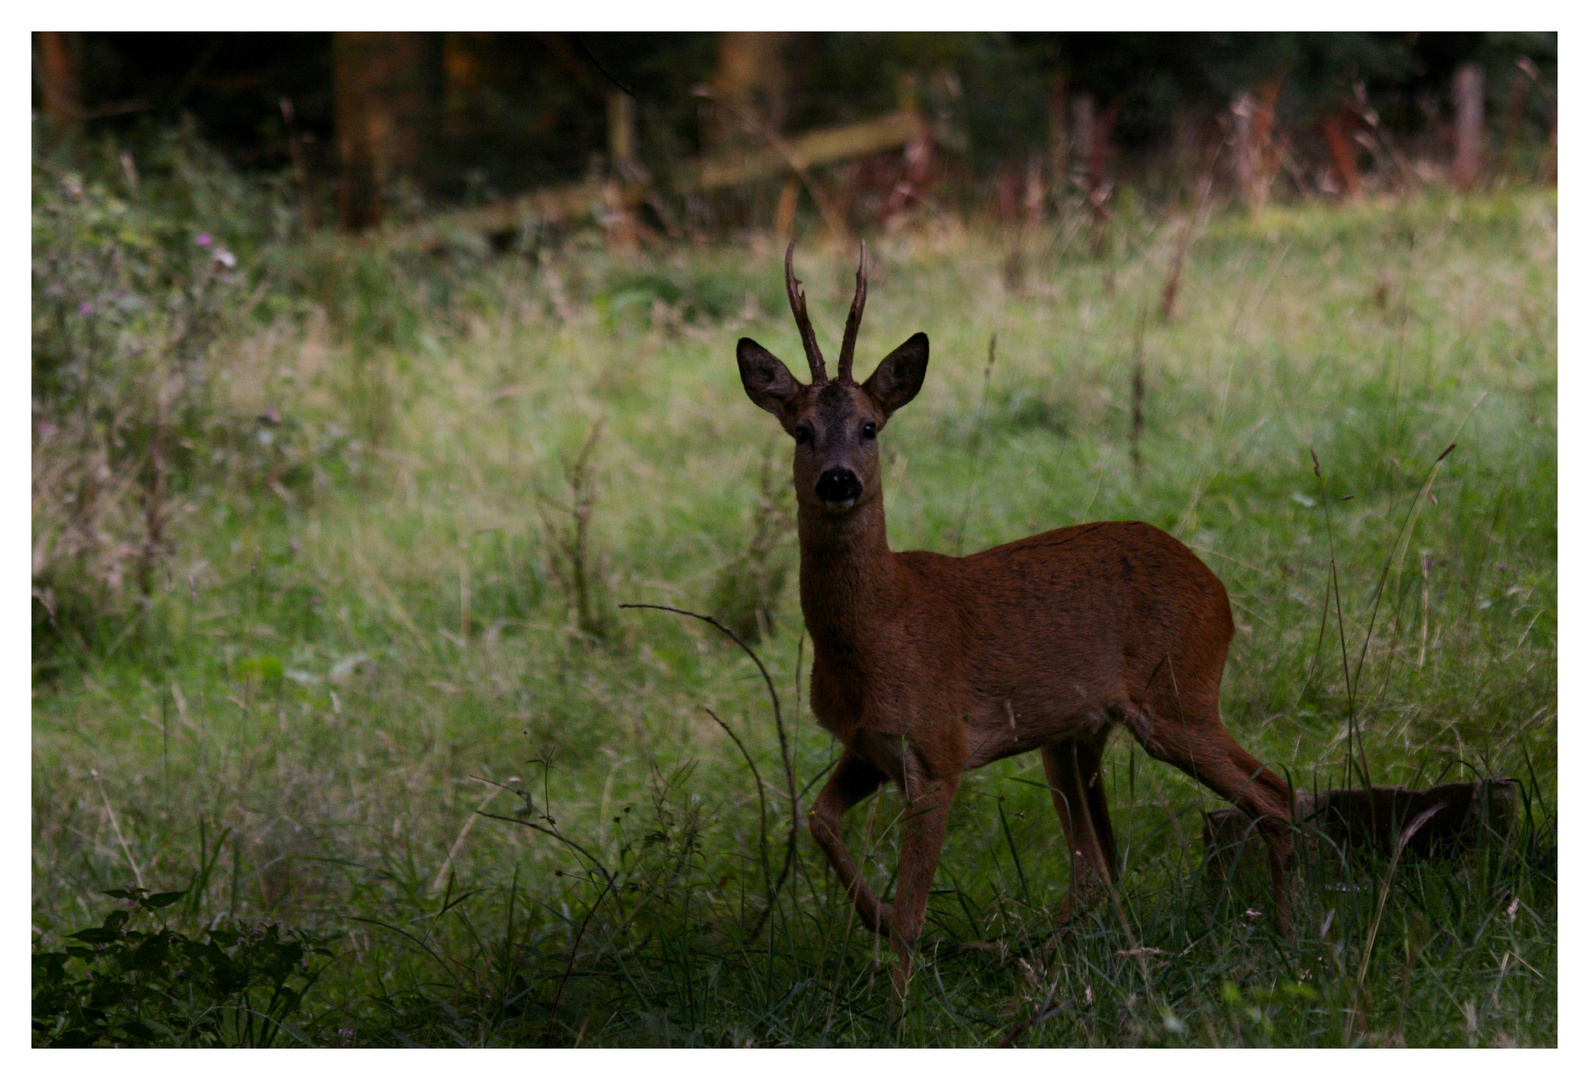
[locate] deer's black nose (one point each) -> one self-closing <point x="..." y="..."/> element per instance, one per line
<point x="838" y="486"/>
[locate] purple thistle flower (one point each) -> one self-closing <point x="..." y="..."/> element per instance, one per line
<point x="204" y="239"/>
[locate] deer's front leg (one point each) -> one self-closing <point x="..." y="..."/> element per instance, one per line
<point x="928" y="792"/>
<point x="853" y="779"/>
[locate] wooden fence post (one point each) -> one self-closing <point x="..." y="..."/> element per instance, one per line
<point x="1467" y="94"/>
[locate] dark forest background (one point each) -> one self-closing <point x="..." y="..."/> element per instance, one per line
<point x="391" y="124"/>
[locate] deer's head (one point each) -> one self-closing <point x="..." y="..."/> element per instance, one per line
<point x="835" y="422"/>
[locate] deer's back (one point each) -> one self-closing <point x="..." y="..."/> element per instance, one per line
<point x="1068" y="627"/>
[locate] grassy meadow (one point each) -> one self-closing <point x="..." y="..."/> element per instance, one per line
<point x="381" y="692"/>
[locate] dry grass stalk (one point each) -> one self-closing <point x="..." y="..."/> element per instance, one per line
<point x="746" y="593"/>
<point x="579" y="569"/>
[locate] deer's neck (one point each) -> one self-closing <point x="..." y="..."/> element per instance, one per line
<point x="848" y="577"/>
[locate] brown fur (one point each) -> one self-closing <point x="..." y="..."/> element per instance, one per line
<point x="925" y="666"/>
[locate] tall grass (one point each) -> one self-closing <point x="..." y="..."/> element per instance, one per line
<point x="370" y="701"/>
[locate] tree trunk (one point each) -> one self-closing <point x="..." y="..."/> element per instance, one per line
<point x="622" y="148"/>
<point x="381" y="85"/>
<point x="1084" y="117"/>
<point x="1188" y="152"/>
<point x="1467" y="93"/>
<point x="1091" y="139"/>
<point x="1343" y="151"/>
<point x="1550" y="156"/>
<point x="465" y="70"/>
<point x="624" y="173"/>
<point x="1058" y="135"/>
<point x="1258" y="151"/>
<point x="748" y="88"/>
<point x="60" y="61"/>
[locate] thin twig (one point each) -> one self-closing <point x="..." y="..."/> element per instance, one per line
<point x="568" y="969"/>
<point x="783" y="746"/>
<point x="1404" y="537"/>
<point x="1361" y="762"/>
<point x="463" y="833"/>
<point x="1379" y="909"/>
<point x="761" y="797"/>
<point x="1030" y="1022"/>
<point x="1172" y="283"/>
<point x="555" y="835"/>
<point x="610" y="882"/>
<point x="584" y="48"/>
<point x="440" y="958"/>
<point x="116" y="826"/>
<point x="797" y="164"/>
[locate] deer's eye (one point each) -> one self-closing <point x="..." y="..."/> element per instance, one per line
<point x="802" y="434"/>
<point x="868" y="430"/>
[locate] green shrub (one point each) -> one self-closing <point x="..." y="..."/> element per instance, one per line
<point x="235" y="985"/>
<point x="139" y="272"/>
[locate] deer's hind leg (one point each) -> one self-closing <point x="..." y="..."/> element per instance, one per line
<point x="1187" y="732"/>
<point x="1075" y="781"/>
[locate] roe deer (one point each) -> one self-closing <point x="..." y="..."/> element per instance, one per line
<point x="925" y="666"/>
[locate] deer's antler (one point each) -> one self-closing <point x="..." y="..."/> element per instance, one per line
<point x="797" y="304"/>
<point x="853" y="324"/>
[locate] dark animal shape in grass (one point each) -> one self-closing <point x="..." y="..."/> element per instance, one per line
<point x="1338" y="827"/>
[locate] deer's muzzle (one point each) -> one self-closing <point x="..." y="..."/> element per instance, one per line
<point x="838" y="489"/>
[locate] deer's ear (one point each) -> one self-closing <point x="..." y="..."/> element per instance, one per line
<point x="899" y="377"/>
<point x="767" y="382"/>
